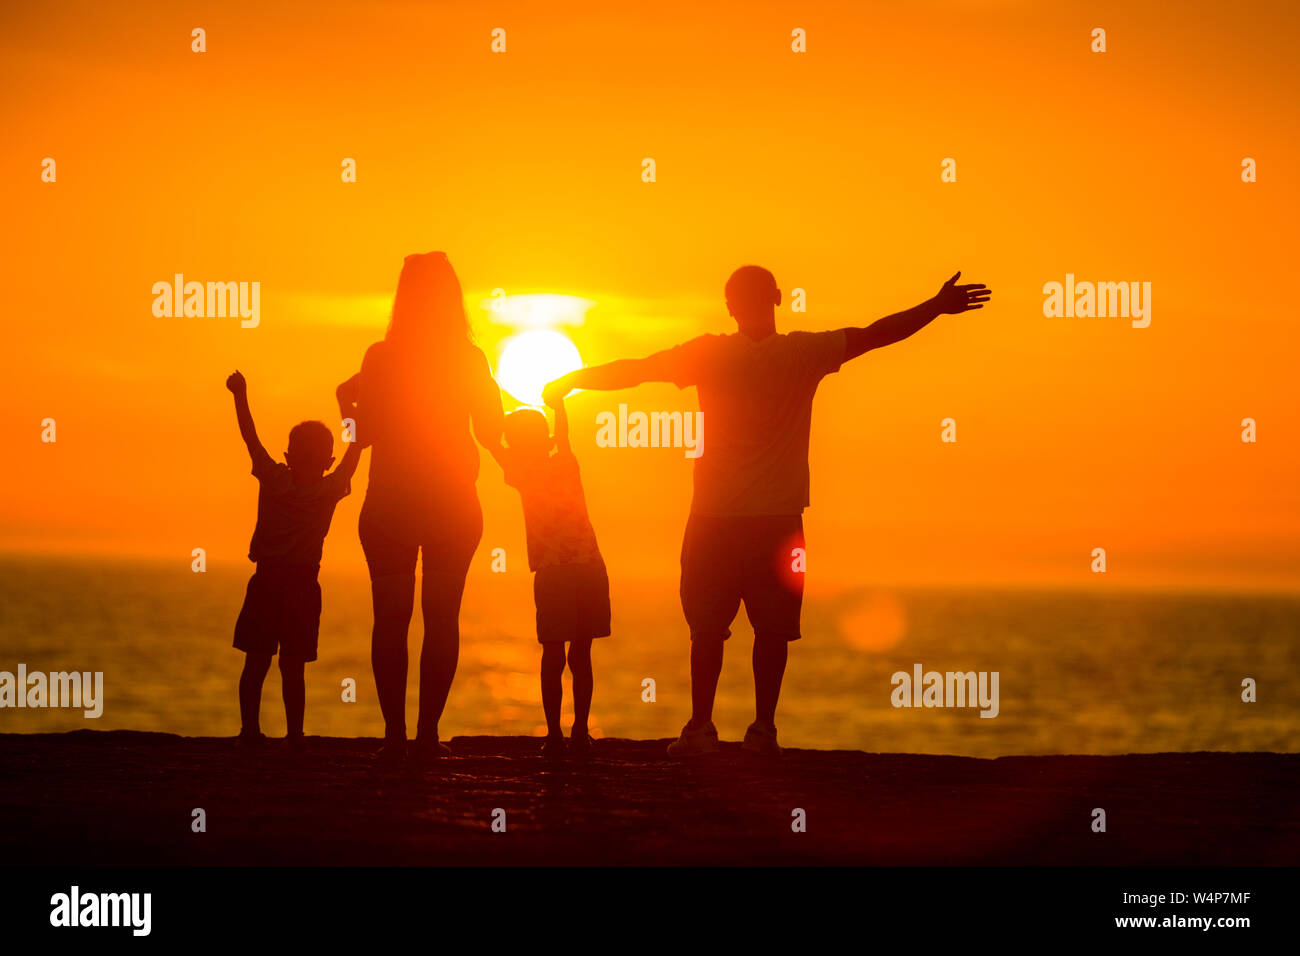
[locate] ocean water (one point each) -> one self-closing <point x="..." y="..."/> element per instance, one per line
<point x="1099" y="673"/>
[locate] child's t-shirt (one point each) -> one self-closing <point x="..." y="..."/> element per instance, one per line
<point x="555" y="512"/>
<point x="292" y="522"/>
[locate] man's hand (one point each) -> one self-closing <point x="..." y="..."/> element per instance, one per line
<point x="236" y="383"/>
<point x="953" y="298"/>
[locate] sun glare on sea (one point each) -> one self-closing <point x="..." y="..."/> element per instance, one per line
<point x="874" y="623"/>
<point x="531" y="359"/>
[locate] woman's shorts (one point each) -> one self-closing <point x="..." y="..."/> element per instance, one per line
<point x="444" y="540"/>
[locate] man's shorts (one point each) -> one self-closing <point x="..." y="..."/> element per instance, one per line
<point x="572" y="602"/>
<point x="281" y="612"/>
<point x="757" y="559"/>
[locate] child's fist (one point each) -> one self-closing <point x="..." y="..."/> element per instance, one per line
<point x="236" y="383"/>
<point x="553" y="394"/>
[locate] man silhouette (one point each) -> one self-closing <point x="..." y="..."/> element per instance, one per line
<point x="744" y="537"/>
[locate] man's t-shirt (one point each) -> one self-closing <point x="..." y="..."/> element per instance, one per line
<point x="292" y="522"/>
<point x="555" y="512"/>
<point x="756" y="398"/>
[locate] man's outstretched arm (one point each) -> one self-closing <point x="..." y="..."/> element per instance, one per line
<point x="951" y="300"/>
<point x="612" y="376"/>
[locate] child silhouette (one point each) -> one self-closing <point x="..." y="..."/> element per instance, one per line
<point x="295" y="503"/>
<point x="571" y="587"/>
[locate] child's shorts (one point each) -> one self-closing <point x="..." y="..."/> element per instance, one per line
<point x="281" y="612"/>
<point x="572" y="602"/>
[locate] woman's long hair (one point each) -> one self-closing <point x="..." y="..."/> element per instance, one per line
<point x="428" y="320"/>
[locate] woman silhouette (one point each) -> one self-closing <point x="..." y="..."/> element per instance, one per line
<point x="413" y="401"/>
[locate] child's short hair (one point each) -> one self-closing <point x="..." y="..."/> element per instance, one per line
<point x="311" y="443"/>
<point x="526" y="426"/>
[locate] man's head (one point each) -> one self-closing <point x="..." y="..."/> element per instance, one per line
<point x="752" y="298"/>
<point x="311" y="449"/>
<point x="527" y="433"/>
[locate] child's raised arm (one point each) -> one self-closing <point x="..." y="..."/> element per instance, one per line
<point x="239" y="388"/>
<point x="554" y="396"/>
<point x="351" y="458"/>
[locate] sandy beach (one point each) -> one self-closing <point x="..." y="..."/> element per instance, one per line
<point x="124" y="797"/>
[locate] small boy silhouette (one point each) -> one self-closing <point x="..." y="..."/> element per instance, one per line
<point x="295" y="503"/>
<point x="571" y="587"/>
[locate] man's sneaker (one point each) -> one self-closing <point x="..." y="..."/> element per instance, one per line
<point x="760" y="740"/>
<point x="695" y="741"/>
<point x="554" y="746"/>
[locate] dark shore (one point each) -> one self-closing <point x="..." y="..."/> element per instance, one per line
<point x="123" y="797"/>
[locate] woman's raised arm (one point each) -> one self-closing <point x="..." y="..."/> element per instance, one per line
<point x="486" y="412"/>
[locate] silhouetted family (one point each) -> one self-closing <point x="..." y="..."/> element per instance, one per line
<point x="425" y="395"/>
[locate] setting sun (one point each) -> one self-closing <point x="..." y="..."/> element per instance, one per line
<point x="531" y="359"/>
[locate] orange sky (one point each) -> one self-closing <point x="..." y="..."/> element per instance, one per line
<point x="525" y="167"/>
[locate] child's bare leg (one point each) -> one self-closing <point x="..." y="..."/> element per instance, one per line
<point x="294" y="690"/>
<point x="552" y="687"/>
<point x="580" y="669"/>
<point x="250" y="691"/>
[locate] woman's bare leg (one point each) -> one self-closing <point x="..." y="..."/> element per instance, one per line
<point x="444" y="564"/>
<point x="393" y="596"/>
<point x="440" y="596"/>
